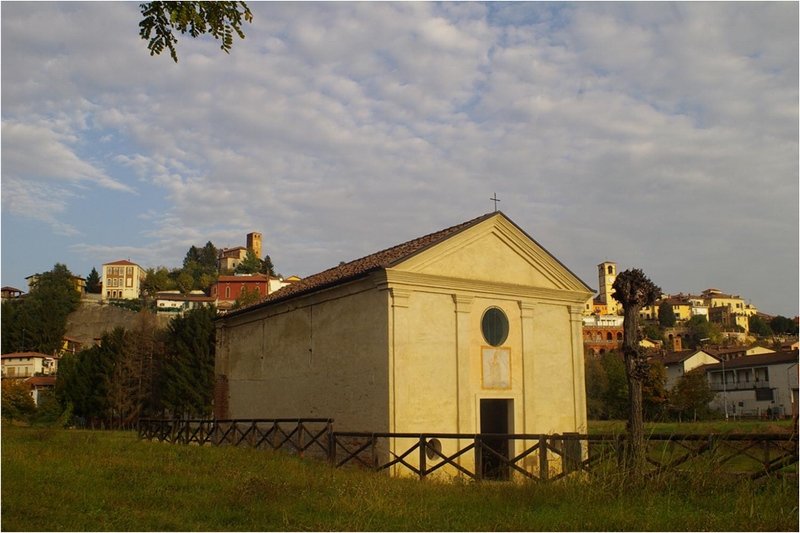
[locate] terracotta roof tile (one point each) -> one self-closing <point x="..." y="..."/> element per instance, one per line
<point x="360" y="267"/>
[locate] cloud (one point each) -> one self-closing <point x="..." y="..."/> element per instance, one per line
<point x="663" y="136"/>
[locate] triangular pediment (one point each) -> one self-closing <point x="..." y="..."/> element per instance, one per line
<point x="494" y="250"/>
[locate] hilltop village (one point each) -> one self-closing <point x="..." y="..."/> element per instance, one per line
<point x="747" y="358"/>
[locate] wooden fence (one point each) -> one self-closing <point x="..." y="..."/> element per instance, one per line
<point x="485" y="456"/>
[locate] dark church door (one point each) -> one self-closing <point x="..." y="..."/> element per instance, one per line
<point x="495" y="418"/>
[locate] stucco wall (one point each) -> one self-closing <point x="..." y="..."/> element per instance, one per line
<point x="323" y="356"/>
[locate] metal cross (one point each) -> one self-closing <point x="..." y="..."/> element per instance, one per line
<point x="495" y="200"/>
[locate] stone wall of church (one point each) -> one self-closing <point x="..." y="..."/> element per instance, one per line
<point x="323" y="356"/>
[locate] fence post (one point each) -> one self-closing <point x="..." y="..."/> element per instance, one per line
<point x="374" y="446"/>
<point x="544" y="468"/>
<point x="572" y="459"/>
<point x="331" y="447"/>
<point x="300" y="428"/>
<point x="423" y="448"/>
<point x="478" y="458"/>
<point x="620" y="452"/>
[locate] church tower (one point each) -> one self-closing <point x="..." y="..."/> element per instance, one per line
<point x="607" y="273"/>
<point x="254" y="243"/>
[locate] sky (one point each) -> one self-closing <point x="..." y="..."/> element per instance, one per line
<point x="659" y="136"/>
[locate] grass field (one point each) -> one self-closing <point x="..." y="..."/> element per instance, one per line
<point x="616" y="427"/>
<point x="73" y="480"/>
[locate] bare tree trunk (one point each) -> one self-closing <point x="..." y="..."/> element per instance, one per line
<point x="635" y="426"/>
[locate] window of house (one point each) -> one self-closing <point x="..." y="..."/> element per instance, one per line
<point x="764" y="395"/>
<point x="494" y="326"/>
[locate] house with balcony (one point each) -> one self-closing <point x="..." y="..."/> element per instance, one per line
<point x="28" y="364"/>
<point x="748" y="386"/>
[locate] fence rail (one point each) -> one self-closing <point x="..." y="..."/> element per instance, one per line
<point x="536" y="457"/>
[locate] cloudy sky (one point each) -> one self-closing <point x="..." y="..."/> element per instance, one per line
<point x="660" y="136"/>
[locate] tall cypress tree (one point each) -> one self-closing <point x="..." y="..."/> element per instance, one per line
<point x="188" y="386"/>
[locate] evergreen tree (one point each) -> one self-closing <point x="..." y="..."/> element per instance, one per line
<point x="759" y="326"/>
<point x="207" y="257"/>
<point x="666" y="316"/>
<point x="188" y="377"/>
<point x="782" y="325"/>
<point x="267" y="267"/>
<point x="38" y="321"/>
<point x="251" y="264"/>
<point x="93" y="285"/>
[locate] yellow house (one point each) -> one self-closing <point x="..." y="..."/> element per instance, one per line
<point x="472" y="329"/>
<point x="122" y="280"/>
<point x="27" y="364"/>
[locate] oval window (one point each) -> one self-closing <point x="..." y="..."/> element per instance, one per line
<point x="494" y="326"/>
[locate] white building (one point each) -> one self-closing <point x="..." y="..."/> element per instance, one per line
<point x="756" y="383"/>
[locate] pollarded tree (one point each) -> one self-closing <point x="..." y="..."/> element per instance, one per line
<point x="220" y="19"/>
<point x="633" y="290"/>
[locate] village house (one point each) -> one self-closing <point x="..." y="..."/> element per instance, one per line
<point x="26" y="364"/>
<point x="749" y="386"/>
<point x="679" y="363"/>
<point x="472" y="329"/>
<point x="10" y="293"/>
<point x="176" y="303"/>
<point x="40" y="385"/>
<point x="122" y="280"/>
<point x="227" y="289"/>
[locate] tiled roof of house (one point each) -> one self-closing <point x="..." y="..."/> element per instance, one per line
<point x="17" y="355"/>
<point x="121" y="262"/>
<point x="41" y="381"/>
<point x="9" y="289"/>
<point x="679" y="357"/>
<point x="244" y="279"/>
<point x="360" y="267"/>
<point x="757" y="360"/>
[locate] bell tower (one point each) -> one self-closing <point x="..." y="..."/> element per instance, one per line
<point x="607" y="273"/>
<point x="254" y="243"/>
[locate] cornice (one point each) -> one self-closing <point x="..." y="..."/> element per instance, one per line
<point x="387" y="279"/>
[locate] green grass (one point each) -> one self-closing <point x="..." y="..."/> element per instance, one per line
<point x="72" y="480"/>
<point x="616" y="427"/>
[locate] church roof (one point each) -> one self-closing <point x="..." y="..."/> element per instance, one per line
<point x="360" y="267"/>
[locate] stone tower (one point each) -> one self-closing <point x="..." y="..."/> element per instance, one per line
<point x="254" y="243"/>
<point x="607" y="273"/>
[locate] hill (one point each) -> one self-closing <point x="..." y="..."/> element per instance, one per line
<point x="94" y="318"/>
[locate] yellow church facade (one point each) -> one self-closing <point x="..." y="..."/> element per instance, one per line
<point x="472" y="329"/>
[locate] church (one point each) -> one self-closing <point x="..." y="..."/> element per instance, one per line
<point x="472" y="329"/>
